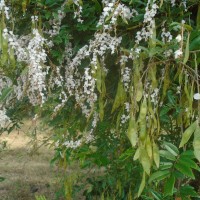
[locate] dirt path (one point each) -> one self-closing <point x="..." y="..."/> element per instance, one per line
<point x="26" y="174"/>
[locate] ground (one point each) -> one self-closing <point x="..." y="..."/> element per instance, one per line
<point x="25" y="167"/>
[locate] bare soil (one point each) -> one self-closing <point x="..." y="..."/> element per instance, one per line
<point x="25" y="165"/>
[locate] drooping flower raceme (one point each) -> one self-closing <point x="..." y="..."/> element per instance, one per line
<point x="37" y="57"/>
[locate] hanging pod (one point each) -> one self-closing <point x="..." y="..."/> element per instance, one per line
<point x="142" y="119"/>
<point x="132" y="131"/>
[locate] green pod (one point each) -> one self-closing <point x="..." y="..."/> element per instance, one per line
<point x="166" y="82"/>
<point x="12" y="58"/>
<point x="152" y="76"/>
<point x="145" y="160"/>
<point x="120" y="97"/>
<point x="142" y="120"/>
<point x="156" y="155"/>
<point x="132" y="131"/>
<point x="149" y="147"/>
<point x="101" y="108"/>
<point x="139" y="91"/>
<point x="4" y="57"/>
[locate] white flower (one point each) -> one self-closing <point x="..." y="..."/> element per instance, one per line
<point x="197" y="96"/>
<point x="179" y="38"/>
<point x="178" y="53"/>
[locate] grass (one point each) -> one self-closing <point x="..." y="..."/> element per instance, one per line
<point x="26" y="168"/>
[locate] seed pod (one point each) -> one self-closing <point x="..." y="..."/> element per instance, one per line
<point x="166" y="82"/>
<point x="156" y="155"/>
<point x="145" y="160"/>
<point x="12" y="58"/>
<point x="120" y="96"/>
<point x="139" y="91"/>
<point x="101" y="108"/>
<point x="152" y="75"/>
<point x="132" y="131"/>
<point x="149" y="147"/>
<point x="142" y="119"/>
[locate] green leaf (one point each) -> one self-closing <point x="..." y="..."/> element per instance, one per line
<point x="169" y="186"/>
<point x="185" y="160"/>
<point x="188" y="133"/>
<point x="167" y="155"/>
<point x="196" y="143"/>
<point x="2" y="179"/>
<point x="188" y="153"/>
<point x="188" y="191"/>
<point x="171" y="148"/>
<point x="165" y="165"/>
<point x="159" y="175"/>
<point x="97" y="5"/>
<point x="184" y="169"/>
<point x="5" y="93"/>
<point x="156" y="195"/>
<point x="195" y="43"/>
<point x="142" y="185"/>
<point x="198" y="18"/>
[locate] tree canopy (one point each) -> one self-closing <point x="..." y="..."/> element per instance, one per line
<point x="118" y="80"/>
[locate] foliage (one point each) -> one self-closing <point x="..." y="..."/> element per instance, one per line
<point x="119" y="83"/>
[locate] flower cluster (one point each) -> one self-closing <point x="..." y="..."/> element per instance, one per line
<point x="4" y="9"/>
<point x="72" y="144"/>
<point x="34" y="19"/>
<point x="56" y="23"/>
<point x="115" y="10"/>
<point x="178" y="53"/>
<point x="154" y="96"/>
<point x="101" y="44"/>
<point x="147" y="31"/>
<point x="126" y="77"/>
<point x="166" y="36"/>
<point x="19" y="45"/>
<point x="37" y="56"/>
<point x="125" y="117"/>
